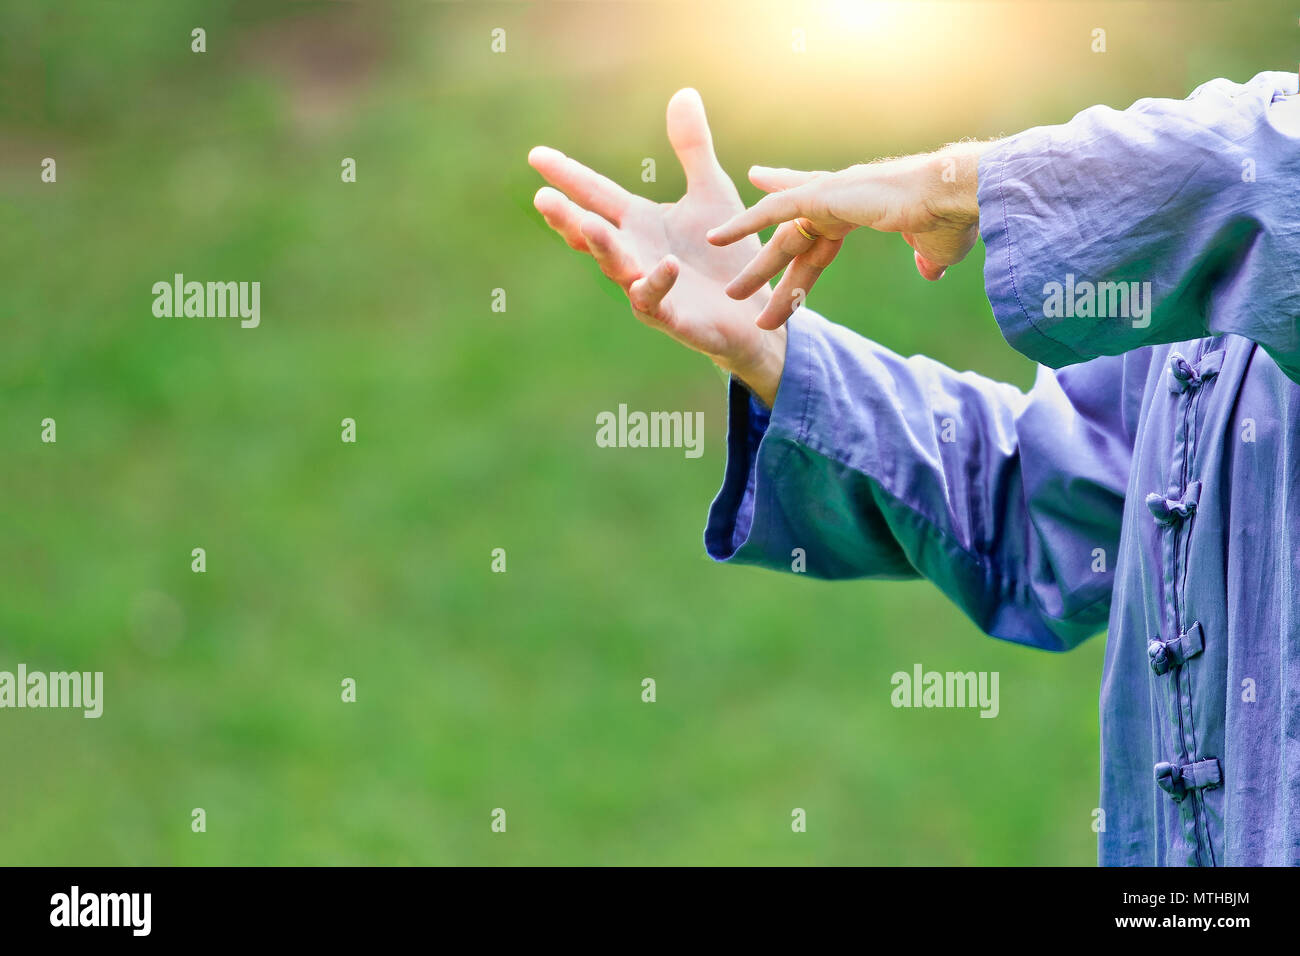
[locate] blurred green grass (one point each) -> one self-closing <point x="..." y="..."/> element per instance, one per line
<point x="476" y="431"/>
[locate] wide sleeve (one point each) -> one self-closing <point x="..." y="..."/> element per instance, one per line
<point x="1168" y="221"/>
<point x="875" y="465"/>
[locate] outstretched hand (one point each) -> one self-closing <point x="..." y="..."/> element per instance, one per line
<point x="929" y="199"/>
<point x="674" y="278"/>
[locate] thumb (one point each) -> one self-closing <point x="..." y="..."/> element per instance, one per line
<point x="929" y="270"/>
<point x="688" y="131"/>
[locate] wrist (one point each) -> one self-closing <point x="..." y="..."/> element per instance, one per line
<point x="954" y="175"/>
<point x="761" y="373"/>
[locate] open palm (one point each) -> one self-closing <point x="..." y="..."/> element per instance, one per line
<point x="657" y="252"/>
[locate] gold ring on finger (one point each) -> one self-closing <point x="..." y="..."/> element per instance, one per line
<point x="810" y="236"/>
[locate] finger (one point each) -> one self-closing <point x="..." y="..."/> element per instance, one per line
<point x="768" y="211"/>
<point x="647" y="293"/>
<point x="586" y="187"/>
<point x="791" y="292"/>
<point x="786" y="243"/>
<point x="563" y="215"/>
<point x="929" y="270"/>
<point x="770" y="179"/>
<point x="610" y="254"/>
<point x="688" y="131"/>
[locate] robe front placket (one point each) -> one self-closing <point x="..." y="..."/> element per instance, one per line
<point x="1186" y="771"/>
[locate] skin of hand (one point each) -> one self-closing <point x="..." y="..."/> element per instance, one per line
<point x="930" y="199"/>
<point x="674" y="279"/>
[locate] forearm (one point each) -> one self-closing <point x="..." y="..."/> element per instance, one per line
<point x="1169" y="221"/>
<point x="875" y="465"/>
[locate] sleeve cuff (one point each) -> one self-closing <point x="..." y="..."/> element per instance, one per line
<point x="999" y="197"/>
<point x="757" y="438"/>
